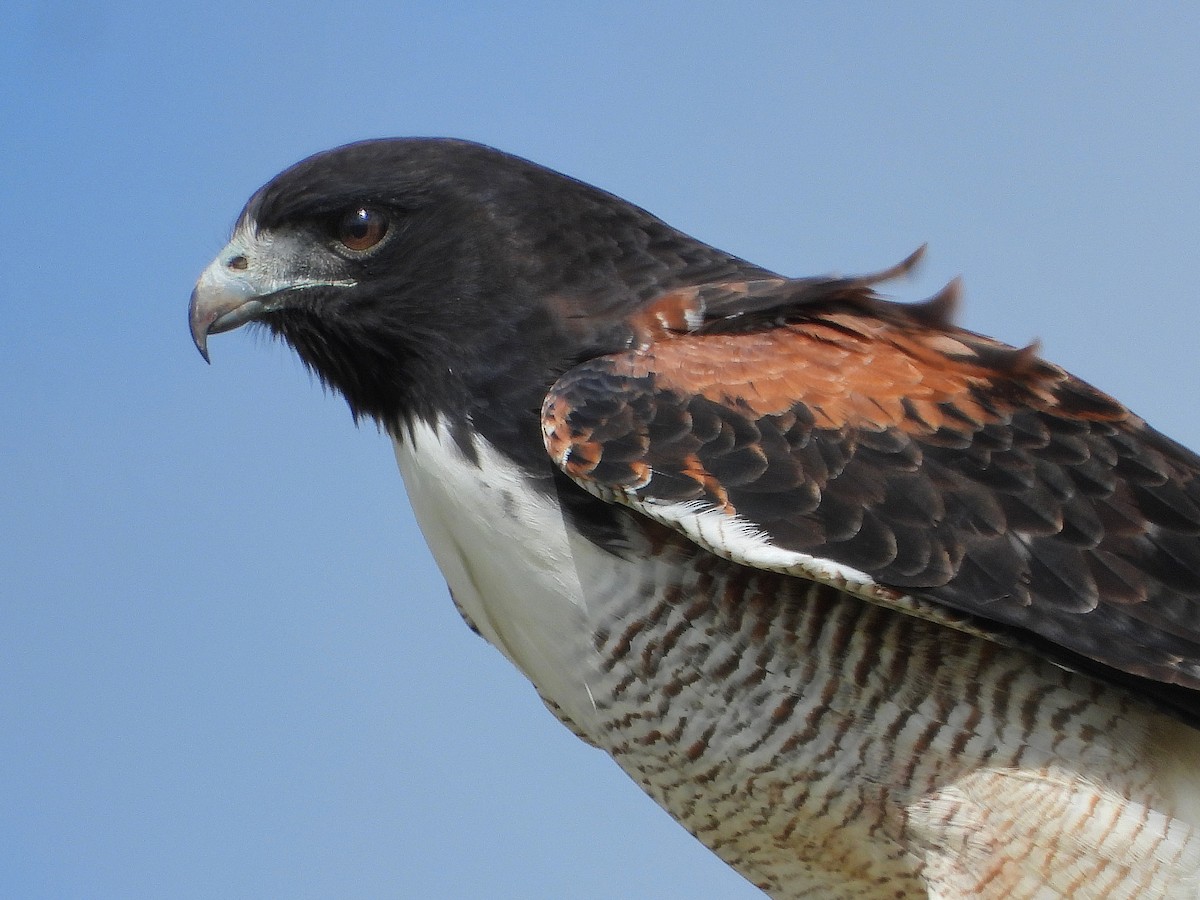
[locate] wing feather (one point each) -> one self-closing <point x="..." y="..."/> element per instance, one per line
<point x="912" y="462"/>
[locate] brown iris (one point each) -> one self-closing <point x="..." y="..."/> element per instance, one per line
<point x="361" y="229"/>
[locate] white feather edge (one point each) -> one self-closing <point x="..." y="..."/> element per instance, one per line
<point x="741" y="541"/>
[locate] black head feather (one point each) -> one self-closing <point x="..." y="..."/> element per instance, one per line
<point x="458" y="311"/>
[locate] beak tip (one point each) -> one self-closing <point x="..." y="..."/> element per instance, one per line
<point x="198" y="324"/>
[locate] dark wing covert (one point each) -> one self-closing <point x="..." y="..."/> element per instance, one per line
<point x="832" y="424"/>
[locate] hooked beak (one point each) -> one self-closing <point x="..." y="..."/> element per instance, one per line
<point x="223" y="300"/>
<point x="252" y="276"/>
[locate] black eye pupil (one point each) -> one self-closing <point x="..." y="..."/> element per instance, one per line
<point x="359" y="226"/>
<point x="361" y="229"/>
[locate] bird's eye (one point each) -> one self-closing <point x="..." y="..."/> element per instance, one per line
<point x="361" y="229"/>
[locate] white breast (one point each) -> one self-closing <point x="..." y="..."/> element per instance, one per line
<point x="514" y="570"/>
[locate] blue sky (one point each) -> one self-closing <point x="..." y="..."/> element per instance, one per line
<point x="228" y="666"/>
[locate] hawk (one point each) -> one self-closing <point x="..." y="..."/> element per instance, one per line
<point x="873" y="605"/>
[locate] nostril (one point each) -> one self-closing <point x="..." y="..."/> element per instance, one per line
<point x="238" y="262"/>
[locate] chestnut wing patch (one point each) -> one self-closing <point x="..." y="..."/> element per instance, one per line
<point x="898" y="459"/>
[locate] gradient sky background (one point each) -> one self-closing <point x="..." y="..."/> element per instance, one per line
<point x="228" y="666"/>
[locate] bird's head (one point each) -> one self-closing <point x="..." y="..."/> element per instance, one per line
<point x="373" y="261"/>
<point x="423" y="277"/>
